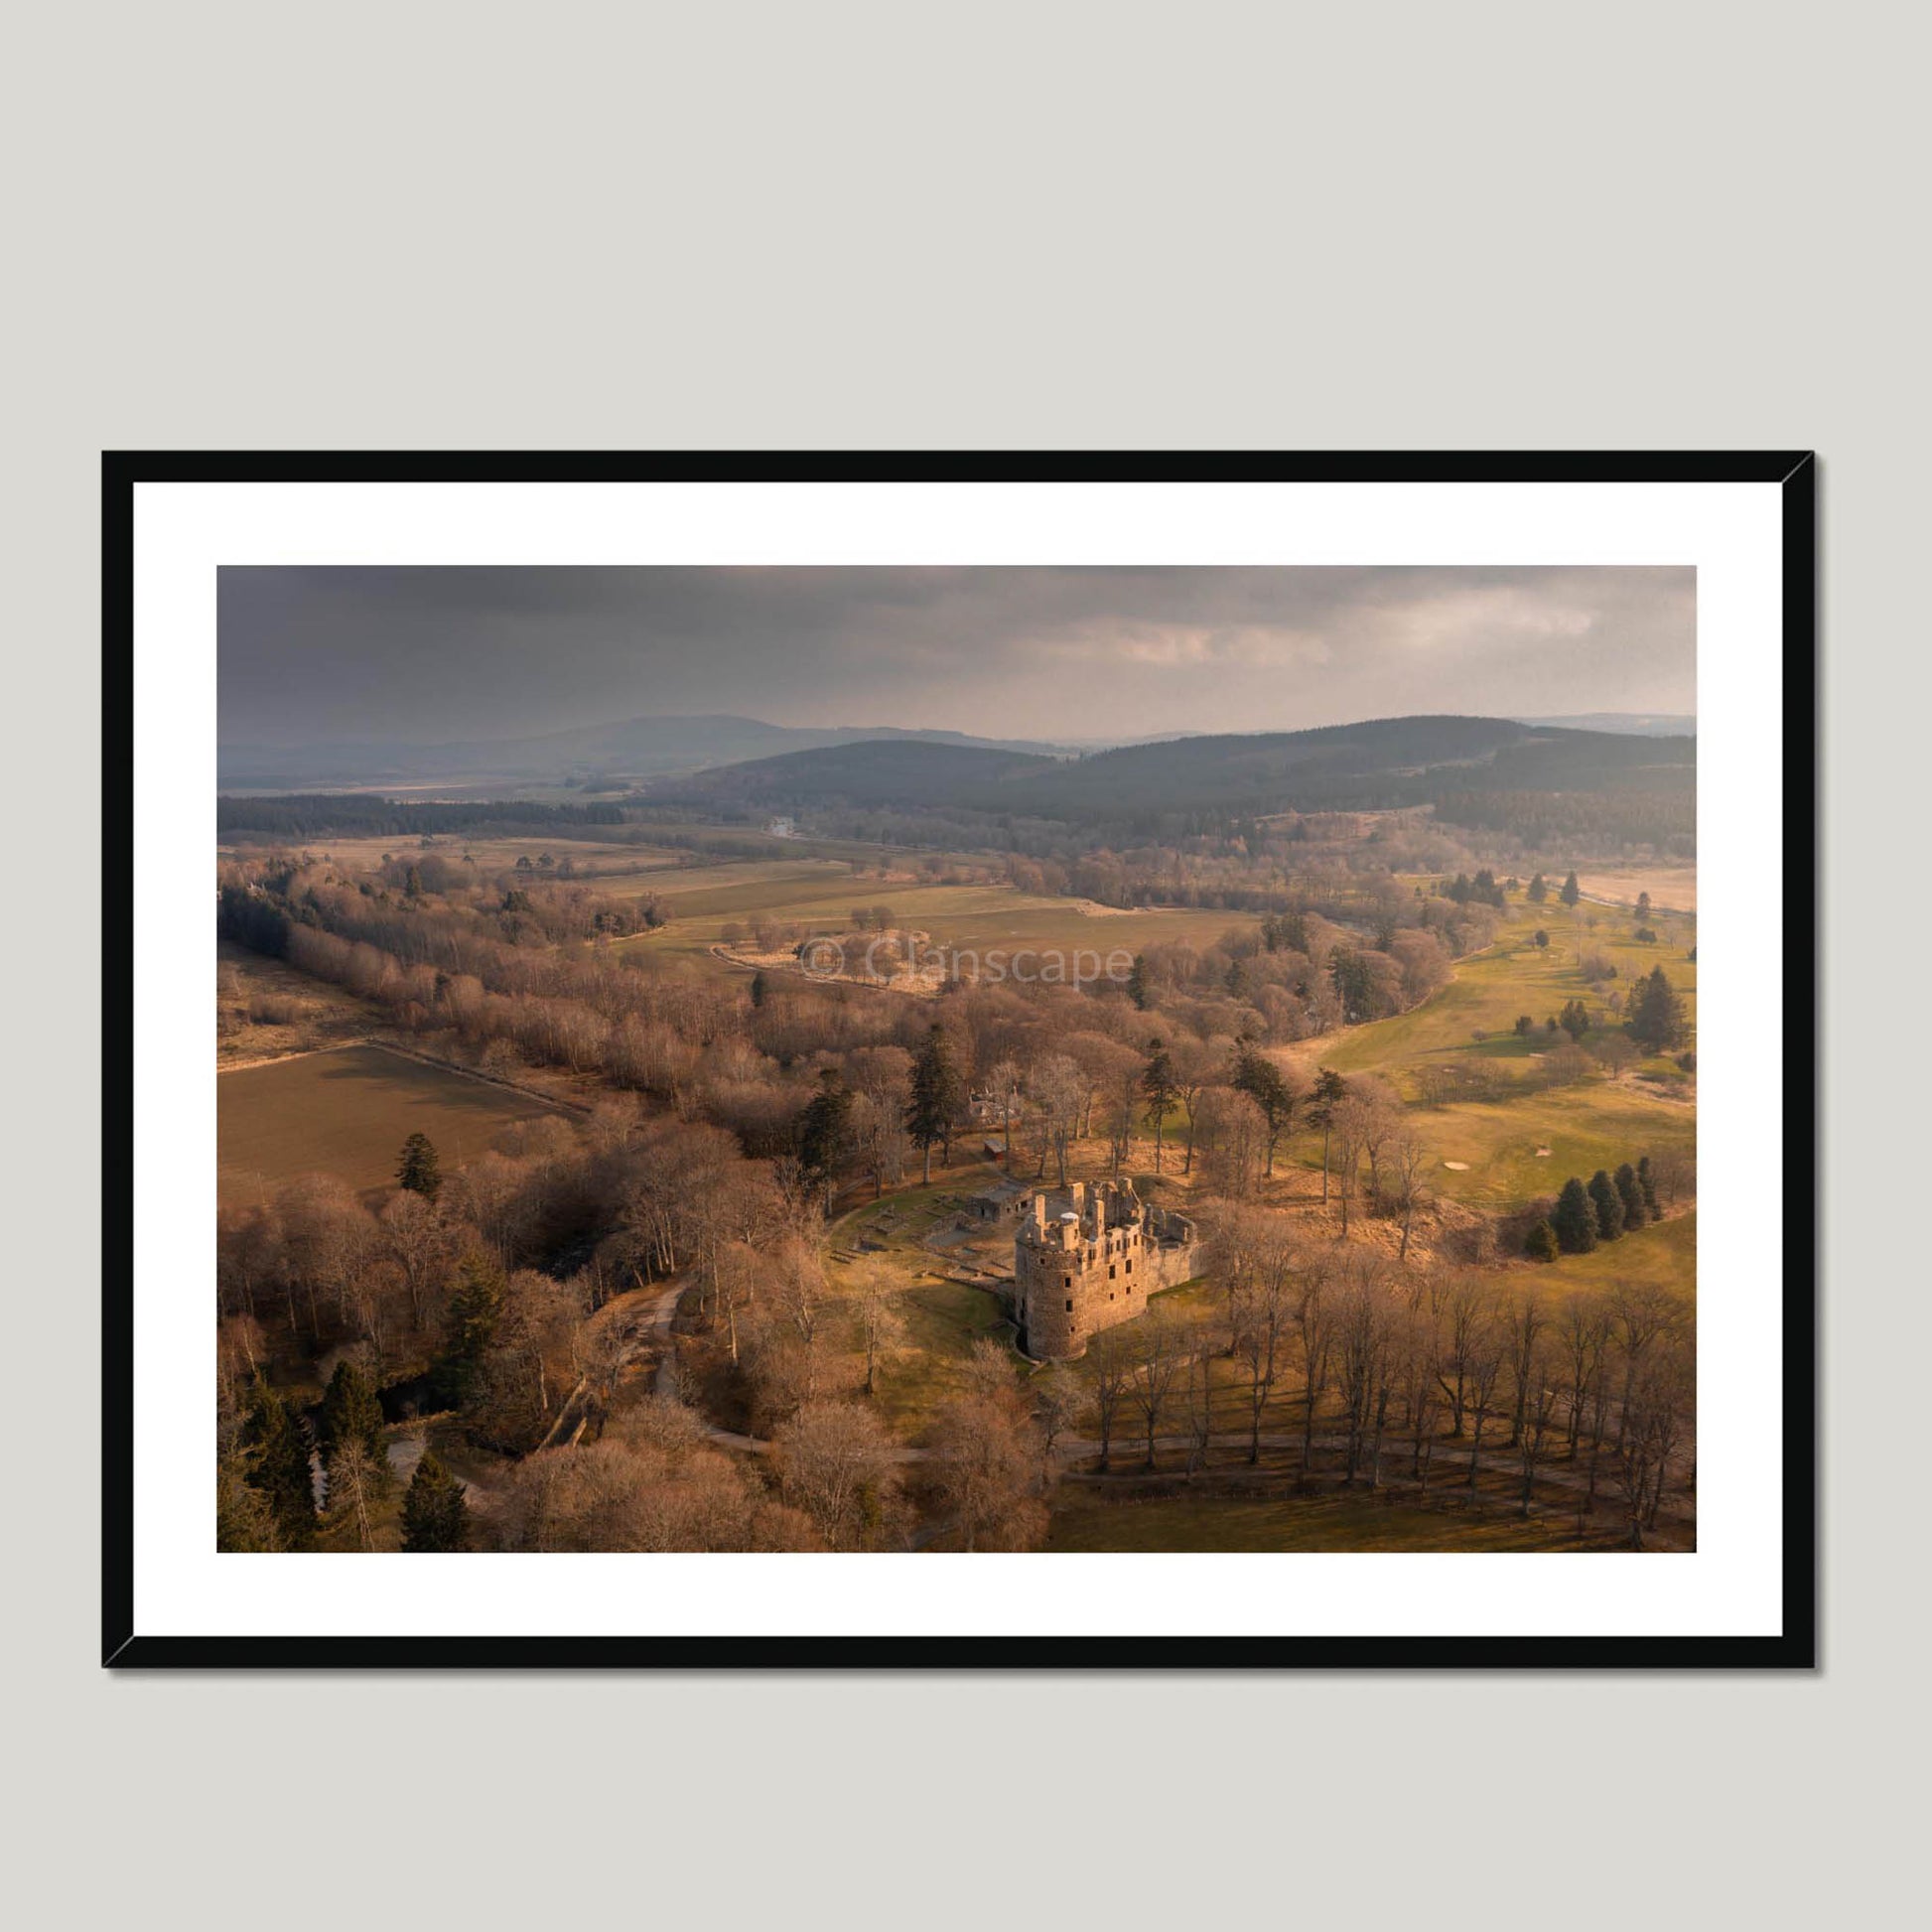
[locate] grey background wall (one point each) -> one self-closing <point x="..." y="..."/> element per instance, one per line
<point x="1068" y="226"/>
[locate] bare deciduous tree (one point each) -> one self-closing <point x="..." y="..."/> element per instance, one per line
<point x="838" y="1465"/>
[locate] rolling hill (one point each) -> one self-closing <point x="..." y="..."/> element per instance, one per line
<point x="1451" y="763"/>
<point x="629" y="750"/>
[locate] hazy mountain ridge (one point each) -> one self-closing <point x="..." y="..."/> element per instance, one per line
<point x="629" y="748"/>
<point x="1379" y="763"/>
<point x="1628" y="724"/>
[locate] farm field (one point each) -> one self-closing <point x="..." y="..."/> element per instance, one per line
<point x="973" y="918"/>
<point x="491" y="854"/>
<point x="750" y="884"/>
<point x="1671" y="889"/>
<point x="265" y="1010"/>
<point x="346" y="1112"/>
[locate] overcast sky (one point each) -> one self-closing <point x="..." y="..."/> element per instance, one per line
<point x="447" y="654"/>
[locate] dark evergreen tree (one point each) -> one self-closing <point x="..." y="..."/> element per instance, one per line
<point x="1647" y="1184"/>
<point x="1574" y="1218"/>
<point x="937" y="1093"/>
<point x="244" y="1521"/>
<point x="278" y="1449"/>
<point x="1629" y="1191"/>
<point x="1525" y="1025"/>
<point x="1541" y="1243"/>
<point x="1539" y="890"/>
<point x="1137" y="981"/>
<point x="1657" y="1021"/>
<point x="1542" y="940"/>
<point x="1575" y="1020"/>
<point x="435" y="1515"/>
<point x="1643" y="905"/>
<point x="1331" y="1089"/>
<point x="1256" y="1075"/>
<point x="1163" y="1090"/>
<point x="350" y="1413"/>
<point x="825" y="1134"/>
<point x="475" y="1313"/>
<point x="1572" y="893"/>
<point x="1608" y="1204"/>
<point x="759" y="986"/>
<point x="1353" y="982"/>
<point x="420" y="1172"/>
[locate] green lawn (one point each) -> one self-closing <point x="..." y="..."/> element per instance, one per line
<point x="1470" y="1021"/>
<point x="1514" y="976"/>
<point x="940" y="1320"/>
<point x="1662" y="1255"/>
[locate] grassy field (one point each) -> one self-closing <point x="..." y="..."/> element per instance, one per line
<point x="1660" y="1256"/>
<point x="938" y="1319"/>
<point x="741" y="888"/>
<point x="820" y="899"/>
<point x="348" y="1113"/>
<point x="265" y="1010"/>
<point x="1087" y="1519"/>
<point x="490" y="855"/>
<point x="1596" y="1123"/>
<point x="1671" y="889"/>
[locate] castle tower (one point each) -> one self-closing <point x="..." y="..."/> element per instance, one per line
<point x="1079" y="1268"/>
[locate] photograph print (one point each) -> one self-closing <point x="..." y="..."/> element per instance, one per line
<point x="1022" y="1062"/>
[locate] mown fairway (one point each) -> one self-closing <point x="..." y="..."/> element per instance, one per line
<point x="1662" y="1256"/>
<point x="1470" y="1023"/>
<point x="347" y="1113"/>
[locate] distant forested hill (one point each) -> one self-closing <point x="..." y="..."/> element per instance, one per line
<point x="1485" y="771"/>
<point x="627" y="749"/>
<point x="905" y="773"/>
<point x="1541" y="785"/>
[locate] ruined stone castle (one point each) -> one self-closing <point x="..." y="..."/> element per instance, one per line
<point x="1087" y="1259"/>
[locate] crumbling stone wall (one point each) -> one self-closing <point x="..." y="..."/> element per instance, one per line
<point x="1087" y="1259"/>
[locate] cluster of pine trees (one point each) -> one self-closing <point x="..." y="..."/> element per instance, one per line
<point x="268" y="1496"/>
<point x="1603" y="1208"/>
<point x="1482" y="889"/>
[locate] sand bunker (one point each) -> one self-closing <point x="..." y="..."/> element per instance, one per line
<point x="1456" y="1166"/>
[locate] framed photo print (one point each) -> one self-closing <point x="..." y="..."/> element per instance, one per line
<point x="968" y="1060"/>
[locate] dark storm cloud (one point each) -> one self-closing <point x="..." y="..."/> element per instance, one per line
<point x="462" y="653"/>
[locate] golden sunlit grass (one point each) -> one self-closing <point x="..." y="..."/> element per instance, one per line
<point x="1085" y="1518"/>
<point x="973" y="918"/>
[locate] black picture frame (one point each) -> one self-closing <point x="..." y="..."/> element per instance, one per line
<point x="1794" y="473"/>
